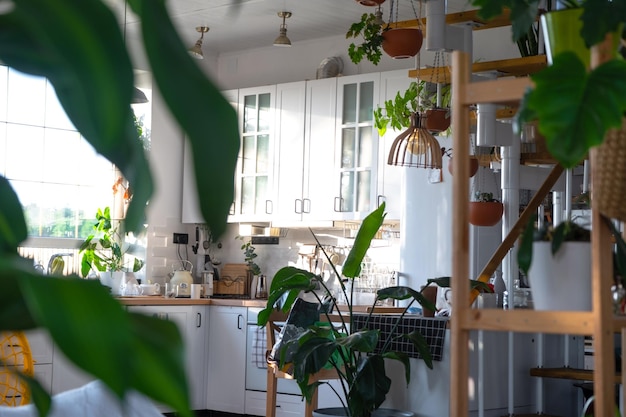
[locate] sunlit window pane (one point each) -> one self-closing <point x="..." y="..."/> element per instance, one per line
<point x="27" y="98"/>
<point x="25" y="152"/>
<point x="55" y="115"/>
<point x="61" y="152"/>
<point x="3" y="147"/>
<point x="4" y="92"/>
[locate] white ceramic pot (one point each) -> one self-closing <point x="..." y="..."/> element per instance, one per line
<point x="563" y="281"/>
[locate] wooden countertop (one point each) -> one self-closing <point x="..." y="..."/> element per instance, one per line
<point x="162" y="301"/>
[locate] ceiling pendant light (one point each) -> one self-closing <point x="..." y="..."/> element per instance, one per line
<point x="379" y="16"/>
<point x="282" y="39"/>
<point x="415" y="147"/>
<point x="196" y="50"/>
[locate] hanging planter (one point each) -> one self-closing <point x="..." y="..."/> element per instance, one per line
<point x="437" y="119"/>
<point x="473" y="165"/>
<point x="486" y="211"/>
<point x="370" y="3"/>
<point x="402" y="43"/>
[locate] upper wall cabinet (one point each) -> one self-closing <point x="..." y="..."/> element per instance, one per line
<point x="191" y="207"/>
<point x="390" y="177"/>
<point x="305" y="131"/>
<point x="254" y="177"/>
<point x="356" y="147"/>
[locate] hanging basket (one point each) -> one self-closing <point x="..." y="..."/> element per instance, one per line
<point x="483" y="213"/>
<point x="437" y="120"/>
<point x="609" y="194"/>
<point x="400" y="43"/>
<point x="370" y="3"/>
<point x="473" y="165"/>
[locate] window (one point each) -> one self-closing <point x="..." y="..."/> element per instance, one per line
<point x="59" y="178"/>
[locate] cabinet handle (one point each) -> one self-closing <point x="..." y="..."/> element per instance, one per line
<point x="380" y="199"/>
<point x="337" y="204"/>
<point x="232" y="209"/>
<point x="297" y="206"/>
<point x="269" y="207"/>
<point x="306" y="206"/>
<point x="198" y="320"/>
<point x="239" y="321"/>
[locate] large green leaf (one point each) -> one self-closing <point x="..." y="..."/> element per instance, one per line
<point x="523" y="13"/>
<point x="14" y="312"/>
<point x="575" y="108"/>
<point x="288" y="280"/>
<point x="371" y="385"/>
<point x="78" y="46"/>
<point x="12" y="223"/>
<point x="601" y="17"/>
<point x="209" y="121"/>
<point x="367" y="231"/>
<point x="97" y="333"/>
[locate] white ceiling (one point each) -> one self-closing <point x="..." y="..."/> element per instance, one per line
<point x="237" y="25"/>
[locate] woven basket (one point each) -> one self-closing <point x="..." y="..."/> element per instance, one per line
<point x="609" y="194"/>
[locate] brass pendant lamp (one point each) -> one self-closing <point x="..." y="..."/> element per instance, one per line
<point x="416" y="147"/>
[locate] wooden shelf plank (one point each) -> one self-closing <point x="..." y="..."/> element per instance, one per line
<point x="528" y="321"/>
<point x="503" y="68"/>
<point x="468" y="17"/>
<point x="505" y="91"/>
<point x="568" y="373"/>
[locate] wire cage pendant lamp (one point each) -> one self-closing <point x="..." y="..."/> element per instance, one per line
<point x="416" y="147"/>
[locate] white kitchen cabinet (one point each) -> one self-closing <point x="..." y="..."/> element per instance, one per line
<point x="305" y="131"/>
<point x="254" y="176"/>
<point x="390" y="177"/>
<point x="226" y="372"/>
<point x="42" y="350"/>
<point x="356" y="147"/>
<point x="190" y="206"/>
<point x="193" y="323"/>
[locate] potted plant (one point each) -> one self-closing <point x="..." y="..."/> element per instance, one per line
<point x="485" y="210"/>
<point x="574" y="113"/>
<point x="557" y="261"/>
<point x="348" y="349"/>
<point x="397" y="42"/>
<point x="420" y="97"/>
<point x="103" y="251"/>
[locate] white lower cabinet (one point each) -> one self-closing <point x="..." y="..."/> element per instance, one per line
<point x="42" y="350"/>
<point x="287" y="405"/>
<point x="192" y="322"/>
<point x="226" y="371"/>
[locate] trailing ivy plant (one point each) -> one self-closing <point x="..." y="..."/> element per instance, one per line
<point x="371" y="32"/>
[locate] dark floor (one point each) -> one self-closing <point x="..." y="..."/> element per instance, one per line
<point x="208" y="413"/>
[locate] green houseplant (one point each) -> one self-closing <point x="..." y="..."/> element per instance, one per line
<point x="79" y="47"/>
<point x="575" y="107"/>
<point x="420" y="97"/>
<point x="103" y="248"/>
<point x="362" y="372"/>
<point x="485" y="209"/>
<point x="371" y="33"/>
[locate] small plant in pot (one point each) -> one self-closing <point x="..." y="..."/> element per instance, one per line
<point x="349" y="350"/>
<point x="103" y="251"/>
<point x="557" y="261"/>
<point x="371" y="32"/>
<point x="420" y="97"/>
<point x="485" y="210"/>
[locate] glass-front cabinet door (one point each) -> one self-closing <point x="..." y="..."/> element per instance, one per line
<point x="254" y="194"/>
<point x="357" y="147"/>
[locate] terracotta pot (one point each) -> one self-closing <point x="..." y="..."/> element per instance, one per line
<point x="485" y="213"/>
<point x="402" y="42"/>
<point x="437" y="120"/>
<point x="473" y="163"/>
<point x="370" y="2"/>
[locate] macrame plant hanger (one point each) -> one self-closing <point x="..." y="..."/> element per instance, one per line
<point x="416" y="146"/>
